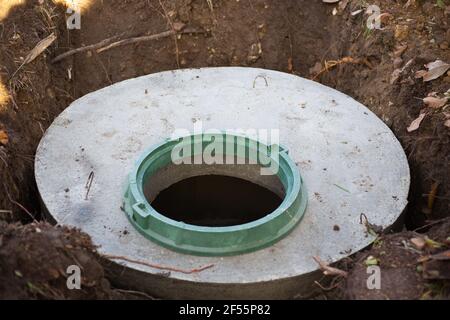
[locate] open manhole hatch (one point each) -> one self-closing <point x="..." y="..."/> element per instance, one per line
<point x="231" y="195"/>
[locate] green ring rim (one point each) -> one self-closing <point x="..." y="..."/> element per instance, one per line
<point x="214" y="241"/>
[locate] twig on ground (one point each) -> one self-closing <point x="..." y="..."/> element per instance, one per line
<point x="94" y="46"/>
<point x="371" y="228"/>
<point x="329" y="271"/>
<point x="333" y="63"/>
<point x="18" y="204"/>
<point x="432" y="223"/>
<point x="334" y="284"/>
<point x="135" y="40"/>
<point x="110" y="43"/>
<point x="157" y="266"/>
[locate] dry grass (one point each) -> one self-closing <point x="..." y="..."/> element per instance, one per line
<point x="210" y="5"/>
<point x="7" y="5"/>
<point x="48" y="14"/>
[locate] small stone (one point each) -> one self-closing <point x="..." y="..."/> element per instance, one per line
<point x="398" y="63"/>
<point x="254" y="53"/>
<point x="419" y="243"/>
<point x="178" y="26"/>
<point x="50" y="93"/>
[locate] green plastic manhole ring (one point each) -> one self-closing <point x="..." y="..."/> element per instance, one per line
<point x="215" y="241"/>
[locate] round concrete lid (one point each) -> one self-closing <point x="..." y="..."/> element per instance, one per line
<point x="350" y="161"/>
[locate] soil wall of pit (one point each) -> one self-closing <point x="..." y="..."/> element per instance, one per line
<point x="290" y="36"/>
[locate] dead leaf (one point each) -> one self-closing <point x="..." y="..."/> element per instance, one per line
<point x="435" y="70"/>
<point x="434" y="102"/>
<point x="4" y="139"/>
<point x="416" y="123"/>
<point x="36" y="51"/>
<point x="39" y="48"/>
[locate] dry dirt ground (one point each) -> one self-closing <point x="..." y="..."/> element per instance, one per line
<point x="376" y="67"/>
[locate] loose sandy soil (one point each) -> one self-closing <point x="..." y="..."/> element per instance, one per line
<point x="291" y="36"/>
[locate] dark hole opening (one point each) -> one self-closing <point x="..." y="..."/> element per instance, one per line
<point x="216" y="201"/>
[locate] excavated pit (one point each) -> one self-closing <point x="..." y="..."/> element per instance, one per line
<point x="288" y="29"/>
<point x="339" y="147"/>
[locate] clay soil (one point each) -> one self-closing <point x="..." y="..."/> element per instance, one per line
<point x="297" y="37"/>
